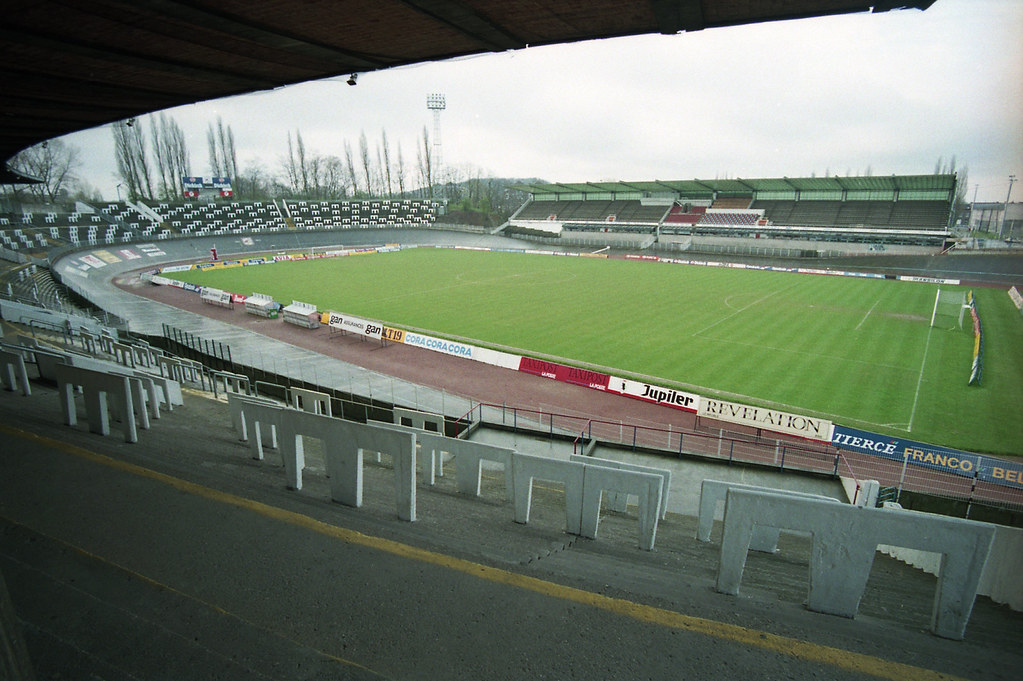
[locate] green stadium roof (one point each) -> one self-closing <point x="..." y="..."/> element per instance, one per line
<point x="749" y="186"/>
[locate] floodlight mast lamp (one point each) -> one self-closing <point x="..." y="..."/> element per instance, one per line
<point x="436" y="102"/>
<point x="1005" y="208"/>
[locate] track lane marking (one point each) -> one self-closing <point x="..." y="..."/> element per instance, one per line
<point x="790" y="647"/>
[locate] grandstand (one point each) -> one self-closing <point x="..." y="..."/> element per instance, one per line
<point x="32" y="231"/>
<point x="843" y="214"/>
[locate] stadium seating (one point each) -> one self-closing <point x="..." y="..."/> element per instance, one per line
<point x="876" y="214"/>
<point x="602" y="217"/>
<point x="318" y="215"/>
<point x="732" y="203"/>
<point x="122" y="222"/>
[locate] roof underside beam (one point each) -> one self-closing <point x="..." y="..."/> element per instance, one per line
<point x="675" y="16"/>
<point x="273" y="37"/>
<point x="461" y="17"/>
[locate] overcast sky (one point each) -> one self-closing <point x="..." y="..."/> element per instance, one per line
<point x="889" y="93"/>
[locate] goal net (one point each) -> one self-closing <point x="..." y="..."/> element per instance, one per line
<point x="949" y="309"/>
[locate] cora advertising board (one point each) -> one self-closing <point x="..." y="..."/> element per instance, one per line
<point x="429" y="343"/>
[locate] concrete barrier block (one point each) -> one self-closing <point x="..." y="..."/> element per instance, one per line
<point x="526" y="468"/>
<point x="420" y="420"/>
<point x="469" y="467"/>
<point x="15" y="374"/>
<point x="619" y="501"/>
<point x="845" y="539"/>
<point x="343" y="443"/>
<point x="248" y="418"/>
<point x="106" y="342"/>
<point x="402" y="448"/>
<point x="310" y="401"/>
<point x="124" y="354"/>
<point x="45" y="360"/>
<point x="712" y="494"/>
<point x="345" y="451"/>
<point x="646" y="486"/>
<point x="179" y="369"/>
<point x="89" y="340"/>
<point x="227" y="382"/>
<point x="96" y="386"/>
<point x="144" y="394"/>
<point x="145" y="391"/>
<point x="170" y="390"/>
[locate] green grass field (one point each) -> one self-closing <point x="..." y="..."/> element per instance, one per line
<point x="858" y="351"/>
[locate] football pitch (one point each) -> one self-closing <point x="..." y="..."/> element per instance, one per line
<point x="860" y="352"/>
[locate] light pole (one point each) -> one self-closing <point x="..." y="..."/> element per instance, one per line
<point x="1005" y="208"/>
<point x="436" y="103"/>
<point x="119" y="193"/>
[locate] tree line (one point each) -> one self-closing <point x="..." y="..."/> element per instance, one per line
<point x="151" y="163"/>
<point x="151" y="155"/>
<point x="151" y="168"/>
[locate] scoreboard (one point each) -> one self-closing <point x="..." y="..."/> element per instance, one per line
<point x="206" y="187"/>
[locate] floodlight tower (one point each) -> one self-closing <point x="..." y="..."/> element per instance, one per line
<point x="1005" y="207"/>
<point x="436" y="103"/>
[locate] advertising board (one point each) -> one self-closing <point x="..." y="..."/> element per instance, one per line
<point x="768" y="419"/>
<point x="954" y="461"/>
<point x="356" y="325"/>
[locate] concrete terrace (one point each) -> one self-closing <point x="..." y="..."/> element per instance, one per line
<point x="182" y="557"/>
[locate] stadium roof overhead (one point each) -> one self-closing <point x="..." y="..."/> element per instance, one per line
<point x="68" y="65"/>
<point x="939" y="183"/>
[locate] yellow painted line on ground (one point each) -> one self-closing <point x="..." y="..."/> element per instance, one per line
<point x="796" y="648"/>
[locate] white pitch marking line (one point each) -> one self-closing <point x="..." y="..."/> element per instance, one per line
<point x="867" y="315"/>
<point x="743" y="309"/>
<point x="920" y="380"/>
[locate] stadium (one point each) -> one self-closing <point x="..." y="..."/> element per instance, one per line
<point x="858" y="324"/>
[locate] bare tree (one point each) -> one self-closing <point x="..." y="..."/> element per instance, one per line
<point x="291" y="167"/>
<point x="385" y="164"/>
<point x="226" y="137"/>
<point x="54" y="162"/>
<point x="400" y="172"/>
<point x="425" y="163"/>
<point x="254" y="183"/>
<point x="170" y="154"/>
<point x="350" y="167"/>
<point x="364" y="157"/>
<point x="220" y="142"/>
<point x="303" y="166"/>
<point x="333" y="177"/>
<point x="132" y="161"/>
<point x="298" y="167"/>
<point x="962" y="181"/>
<point x="212" y="150"/>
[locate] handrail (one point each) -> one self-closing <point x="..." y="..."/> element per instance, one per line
<point x="851" y="475"/>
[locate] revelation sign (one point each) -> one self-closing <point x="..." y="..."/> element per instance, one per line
<point x="768" y="419"/>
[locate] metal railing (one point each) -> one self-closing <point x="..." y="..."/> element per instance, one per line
<point x="724" y="446"/>
<point x="902" y="477"/>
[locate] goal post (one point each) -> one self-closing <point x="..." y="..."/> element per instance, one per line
<point x="949" y="309"/>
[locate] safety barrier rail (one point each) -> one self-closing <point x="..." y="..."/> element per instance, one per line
<point x="731" y="447"/>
